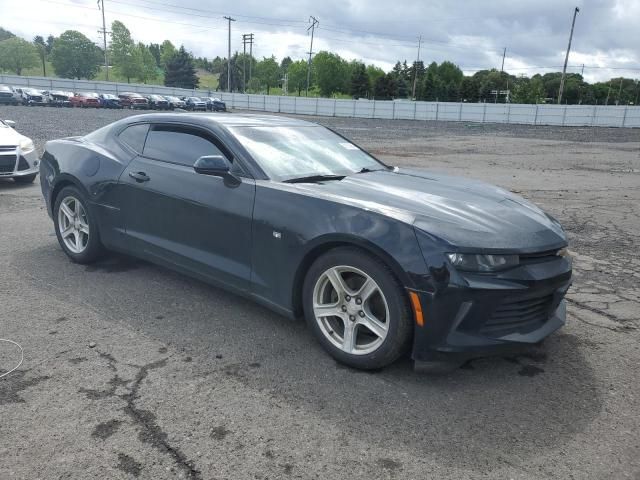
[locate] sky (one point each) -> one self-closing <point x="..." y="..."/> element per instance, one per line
<point x="470" y="33"/>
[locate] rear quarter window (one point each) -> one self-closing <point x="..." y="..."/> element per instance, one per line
<point x="134" y="137"/>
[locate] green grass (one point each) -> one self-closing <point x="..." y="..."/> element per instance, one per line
<point x="208" y="81"/>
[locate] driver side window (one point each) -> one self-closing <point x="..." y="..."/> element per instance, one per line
<point x="178" y="144"/>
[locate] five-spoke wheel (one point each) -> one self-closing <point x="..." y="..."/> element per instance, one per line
<point x="357" y="308"/>
<point x="77" y="232"/>
<point x="73" y="224"/>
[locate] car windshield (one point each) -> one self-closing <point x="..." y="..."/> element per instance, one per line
<point x="195" y="99"/>
<point x="289" y="152"/>
<point x="173" y="99"/>
<point x="108" y="96"/>
<point x="89" y="95"/>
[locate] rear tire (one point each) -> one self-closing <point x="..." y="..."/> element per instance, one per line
<point x="366" y="322"/>
<point x="77" y="229"/>
<point x="25" y="179"/>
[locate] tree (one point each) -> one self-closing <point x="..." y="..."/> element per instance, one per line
<point x="38" y="41"/>
<point x="50" y="40"/>
<point x="167" y="51"/>
<point x="373" y="73"/>
<point x="180" y="71"/>
<point x="284" y="65"/>
<point x="17" y="54"/>
<point x="297" y="75"/>
<point x="359" y="82"/>
<point x="268" y="72"/>
<point x="330" y="73"/>
<point x="236" y="76"/>
<point x="154" y="48"/>
<point x="126" y="57"/>
<point x="148" y="66"/>
<point x="75" y="56"/>
<point x="385" y="87"/>
<point x="5" y="34"/>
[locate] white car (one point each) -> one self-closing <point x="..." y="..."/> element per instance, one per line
<point x="18" y="157"/>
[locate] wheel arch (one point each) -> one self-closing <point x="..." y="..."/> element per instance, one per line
<point x="66" y="180"/>
<point x="327" y="243"/>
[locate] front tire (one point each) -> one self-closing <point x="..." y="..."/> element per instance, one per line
<point x="357" y="308"/>
<point x="75" y="226"/>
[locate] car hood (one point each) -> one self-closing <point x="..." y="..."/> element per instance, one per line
<point x="9" y="137"/>
<point x="465" y="213"/>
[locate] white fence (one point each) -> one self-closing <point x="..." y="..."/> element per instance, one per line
<point x="543" y="114"/>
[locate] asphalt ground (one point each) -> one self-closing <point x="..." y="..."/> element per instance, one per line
<point x="134" y="371"/>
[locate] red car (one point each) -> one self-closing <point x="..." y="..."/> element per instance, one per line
<point x="85" y="100"/>
<point x="133" y="100"/>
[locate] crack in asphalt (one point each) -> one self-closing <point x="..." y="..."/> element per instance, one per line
<point x="610" y="316"/>
<point x="149" y="431"/>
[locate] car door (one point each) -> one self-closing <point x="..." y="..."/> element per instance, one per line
<point x="195" y="222"/>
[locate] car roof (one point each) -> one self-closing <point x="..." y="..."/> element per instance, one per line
<point x="223" y="119"/>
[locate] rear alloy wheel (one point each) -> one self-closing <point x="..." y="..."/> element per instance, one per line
<point x="357" y="308"/>
<point x="76" y="231"/>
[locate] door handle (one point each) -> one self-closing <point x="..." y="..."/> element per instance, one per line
<point x="139" y="176"/>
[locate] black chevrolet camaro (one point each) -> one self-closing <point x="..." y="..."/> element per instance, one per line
<point x="379" y="260"/>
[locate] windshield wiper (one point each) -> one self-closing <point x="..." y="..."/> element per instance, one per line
<point x="314" y="178"/>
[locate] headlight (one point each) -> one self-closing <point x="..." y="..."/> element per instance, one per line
<point x="482" y="263"/>
<point x="26" y="145"/>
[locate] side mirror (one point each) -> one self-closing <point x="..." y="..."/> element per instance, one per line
<point x="11" y="123"/>
<point x="215" y="165"/>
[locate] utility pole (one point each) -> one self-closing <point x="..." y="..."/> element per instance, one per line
<point x="504" y="54"/>
<point x="104" y="39"/>
<point x="246" y="38"/>
<point x="566" y="58"/>
<point x="619" y="91"/>
<point x="229" y="57"/>
<point x="415" y="69"/>
<point x="315" y="22"/>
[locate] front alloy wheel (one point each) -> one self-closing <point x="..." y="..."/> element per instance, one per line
<point x="350" y="310"/>
<point x="357" y="308"/>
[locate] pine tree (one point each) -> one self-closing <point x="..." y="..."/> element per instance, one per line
<point x="180" y="71"/>
<point x="359" y="82"/>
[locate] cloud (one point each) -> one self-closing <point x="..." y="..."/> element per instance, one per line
<point x="470" y="33"/>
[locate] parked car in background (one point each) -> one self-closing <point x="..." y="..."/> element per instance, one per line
<point x="18" y="157"/>
<point x="31" y="97"/>
<point x="215" y="104"/>
<point x="157" y="102"/>
<point x="85" y="100"/>
<point x="108" y="100"/>
<point x="57" y="98"/>
<point x="195" y="103"/>
<point x="8" y="96"/>
<point x="175" y="102"/>
<point x="133" y="100"/>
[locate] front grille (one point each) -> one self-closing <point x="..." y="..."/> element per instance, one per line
<point x="538" y="257"/>
<point x="517" y="314"/>
<point x="7" y="163"/>
<point x="8" y="148"/>
<point x="6" y="95"/>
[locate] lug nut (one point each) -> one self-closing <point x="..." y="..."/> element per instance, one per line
<point x="361" y="313"/>
<point x="347" y="298"/>
<point x="359" y="301"/>
<point x="352" y="318"/>
<point x="344" y="308"/>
